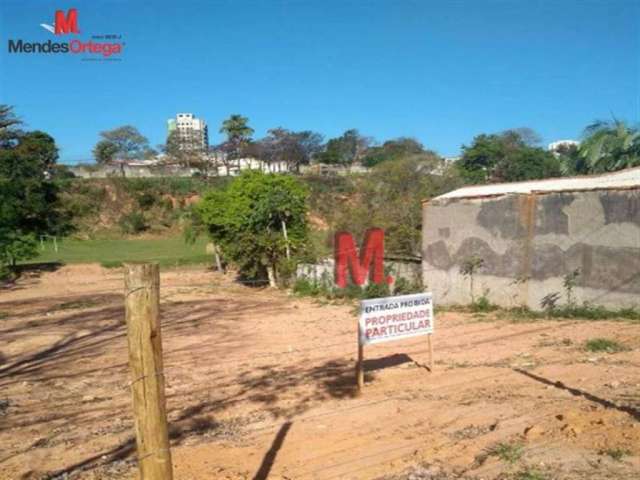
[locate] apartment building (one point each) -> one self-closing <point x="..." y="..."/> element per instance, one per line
<point x="192" y="132"/>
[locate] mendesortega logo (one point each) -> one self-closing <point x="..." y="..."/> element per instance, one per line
<point x="65" y="24"/>
<point x="74" y="46"/>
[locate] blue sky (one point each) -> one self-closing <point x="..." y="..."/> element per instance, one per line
<point x="440" y="71"/>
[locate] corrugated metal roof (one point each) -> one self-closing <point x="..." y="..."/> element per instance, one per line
<point x="628" y="178"/>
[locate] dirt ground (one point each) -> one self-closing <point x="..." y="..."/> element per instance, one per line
<point x="260" y="385"/>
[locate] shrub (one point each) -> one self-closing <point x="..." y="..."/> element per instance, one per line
<point x="507" y="452"/>
<point x="616" y="453"/>
<point x="469" y="267"/>
<point x="403" y="286"/>
<point x="351" y="291"/>
<point x="146" y="200"/>
<point x="483" y="304"/>
<point x="306" y="288"/>
<point x="286" y="271"/>
<point x="257" y="221"/>
<point x="133" y="223"/>
<point x="375" y="290"/>
<point x="5" y="272"/>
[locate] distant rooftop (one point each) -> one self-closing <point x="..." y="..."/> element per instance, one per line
<point x="628" y="178"/>
<point x="559" y="143"/>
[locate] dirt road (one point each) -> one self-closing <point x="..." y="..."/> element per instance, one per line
<point x="260" y="385"/>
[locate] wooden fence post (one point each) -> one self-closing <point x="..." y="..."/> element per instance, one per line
<point x="142" y="305"/>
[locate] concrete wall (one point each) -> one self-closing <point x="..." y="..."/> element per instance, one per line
<point x="138" y="171"/>
<point x="103" y="171"/>
<point x="145" y="171"/>
<point x="329" y="170"/>
<point x="530" y="242"/>
<point x="323" y="272"/>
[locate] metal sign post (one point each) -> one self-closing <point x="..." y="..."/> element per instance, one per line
<point x="360" y="363"/>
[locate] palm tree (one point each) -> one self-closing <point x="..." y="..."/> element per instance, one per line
<point x="238" y="134"/>
<point x="610" y="146"/>
<point x="236" y="126"/>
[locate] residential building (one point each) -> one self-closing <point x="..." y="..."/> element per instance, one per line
<point x="558" y="146"/>
<point x="192" y="132"/>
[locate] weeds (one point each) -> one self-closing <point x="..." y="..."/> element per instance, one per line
<point x="111" y="263"/>
<point x="584" y="312"/>
<point x="525" y="314"/>
<point x="616" y="454"/>
<point x="403" y="286"/>
<point x="550" y="301"/>
<point x="569" y="283"/>
<point x="507" y="452"/>
<point x="530" y="474"/>
<point x="74" y="304"/>
<point x="483" y="305"/>
<point x="571" y="309"/>
<point x="469" y="268"/>
<point x="604" y="345"/>
<point x="307" y="288"/>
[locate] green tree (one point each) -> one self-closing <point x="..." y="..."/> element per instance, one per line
<point x="238" y="133"/>
<point x="236" y="127"/>
<point x="104" y="152"/>
<point x="509" y="156"/>
<point x="257" y="221"/>
<point x="9" y="127"/>
<point x="173" y="148"/>
<point x="527" y="163"/>
<point x="390" y="197"/>
<point x="292" y="148"/>
<point x="149" y="153"/>
<point x="39" y="146"/>
<point x="392" y="150"/>
<point x="120" y="145"/>
<point x="28" y="191"/>
<point x="202" y="159"/>
<point x="345" y="150"/>
<point x="176" y="154"/>
<point x="610" y="146"/>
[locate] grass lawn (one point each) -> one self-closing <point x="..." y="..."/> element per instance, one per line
<point x="172" y="251"/>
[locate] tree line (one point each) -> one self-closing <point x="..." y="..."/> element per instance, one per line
<point x="29" y="184"/>
<point x="511" y="155"/>
<point x="259" y="221"/>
